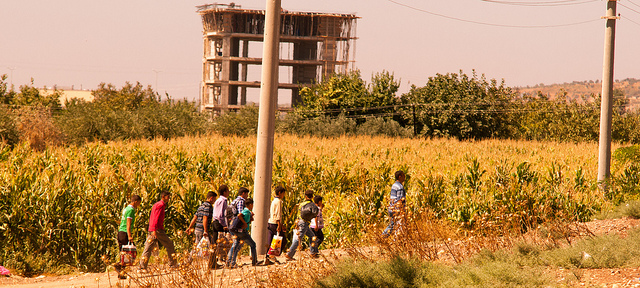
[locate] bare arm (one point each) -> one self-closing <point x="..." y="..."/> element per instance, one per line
<point x="205" y="224"/>
<point x="129" y="229"/>
<point x="193" y="222"/>
<point x="242" y="219"/>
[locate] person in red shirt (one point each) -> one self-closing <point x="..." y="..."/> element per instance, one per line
<point x="157" y="234"/>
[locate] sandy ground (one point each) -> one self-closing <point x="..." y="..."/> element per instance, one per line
<point x="627" y="277"/>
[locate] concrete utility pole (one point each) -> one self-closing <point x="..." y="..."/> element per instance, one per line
<point x="266" y="126"/>
<point x="606" y="108"/>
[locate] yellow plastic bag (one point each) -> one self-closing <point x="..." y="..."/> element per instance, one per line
<point x="275" y="249"/>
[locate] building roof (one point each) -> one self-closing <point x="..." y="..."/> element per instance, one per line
<point x="233" y="8"/>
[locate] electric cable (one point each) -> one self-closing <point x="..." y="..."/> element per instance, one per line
<point x="542" y="3"/>
<point x="629" y="8"/>
<point x="633" y="3"/>
<point x="491" y="24"/>
<point x="634" y="22"/>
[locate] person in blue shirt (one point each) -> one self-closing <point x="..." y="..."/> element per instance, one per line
<point x="397" y="201"/>
<point x="240" y="232"/>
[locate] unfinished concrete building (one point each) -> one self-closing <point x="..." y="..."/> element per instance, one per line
<point x="312" y="46"/>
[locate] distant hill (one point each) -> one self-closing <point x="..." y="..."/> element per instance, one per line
<point x="577" y="89"/>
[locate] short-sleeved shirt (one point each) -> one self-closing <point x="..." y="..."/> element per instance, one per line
<point x="397" y="194"/>
<point x="220" y="210"/>
<point x="246" y="215"/>
<point x="127" y="213"/>
<point x="275" y="212"/>
<point x="319" y="220"/>
<point x="156" y="219"/>
<point x="204" y="210"/>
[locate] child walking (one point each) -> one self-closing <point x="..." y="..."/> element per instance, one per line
<point x="240" y="232"/>
<point x="318" y="223"/>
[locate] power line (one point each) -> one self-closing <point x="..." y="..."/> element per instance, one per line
<point x="491" y="24"/>
<point x="629" y="8"/>
<point x="633" y="3"/>
<point x="634" y="22"/>
<point x="542" y="3"/>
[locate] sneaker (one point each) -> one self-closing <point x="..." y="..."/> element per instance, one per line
<point x="289" y="258"/>
<point x="143" y="270"/>
<point x="259" y="263"/>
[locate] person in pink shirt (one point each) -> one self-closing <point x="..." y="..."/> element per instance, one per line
<point x="157" y="234"/>
<point x="219" y="223"/>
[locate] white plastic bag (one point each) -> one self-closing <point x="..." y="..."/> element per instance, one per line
<point x="202" y="249"/>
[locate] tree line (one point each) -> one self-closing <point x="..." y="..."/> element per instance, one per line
<point x="453" y="105"/>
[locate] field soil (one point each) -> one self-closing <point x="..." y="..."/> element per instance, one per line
<point x="625" y="277"/>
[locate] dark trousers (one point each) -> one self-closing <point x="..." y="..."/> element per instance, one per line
<point x="273" y="230"/>
<point x="216" y="227"/>
<point x="123" y="239"/>
<point x="319" y="237"/>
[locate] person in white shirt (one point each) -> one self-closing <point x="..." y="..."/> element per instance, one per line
<point x="275" y="223"/>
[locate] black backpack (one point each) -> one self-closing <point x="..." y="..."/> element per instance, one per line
<point x="309" y="211"/>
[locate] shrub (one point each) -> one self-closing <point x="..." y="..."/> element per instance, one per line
<point x="36" y="126"/>
<point x="244" y="122"/>
<point x="382" y="127"/>
<point x="85" y="121"/>
<point x="320" y="126"/>
<point x="8" y="129"/>
<point x="632" y="210"/>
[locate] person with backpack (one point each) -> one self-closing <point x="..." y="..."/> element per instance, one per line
<point x="239" y="229"/>
<point x="308" y="211"/>
<point x="236" y="207"/>
<point x="397" y="201"/>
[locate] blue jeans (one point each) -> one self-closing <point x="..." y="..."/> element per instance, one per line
<point x="235" y="248"/>
<point x="303" y="229"/>
<point x="392" y="223"/>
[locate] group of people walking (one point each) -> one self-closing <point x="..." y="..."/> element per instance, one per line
<point x="215" y="216"/>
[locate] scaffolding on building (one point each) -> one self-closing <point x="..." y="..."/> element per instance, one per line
<point x="317" y="45"/>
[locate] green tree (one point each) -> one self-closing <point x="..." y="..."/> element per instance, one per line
<point x="129" y="97"/>
<point x="460" y="106"/>
<point x="349" y="95"/>
<point x="31" y="96"/>
<point x="6" y="94"/>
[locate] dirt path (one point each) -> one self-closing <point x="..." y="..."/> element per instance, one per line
<point x="628" y="277"/>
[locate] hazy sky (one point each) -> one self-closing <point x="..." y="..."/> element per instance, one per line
<point x="85" y="42"/>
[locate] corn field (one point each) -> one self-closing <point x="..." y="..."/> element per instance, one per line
<point x="61" y="207"/>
